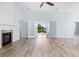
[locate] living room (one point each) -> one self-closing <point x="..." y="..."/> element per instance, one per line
<point x="19" y="29"/>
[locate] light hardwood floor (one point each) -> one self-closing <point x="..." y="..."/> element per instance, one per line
<point x="42" y="47"/>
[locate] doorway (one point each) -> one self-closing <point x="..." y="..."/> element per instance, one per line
<point x="42" y="29"/>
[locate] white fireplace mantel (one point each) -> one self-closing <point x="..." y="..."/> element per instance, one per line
<point x="5" y="28"/>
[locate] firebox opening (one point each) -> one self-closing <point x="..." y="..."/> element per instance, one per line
<point x="6" y="38"/>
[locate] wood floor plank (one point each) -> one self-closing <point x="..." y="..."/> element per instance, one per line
<point x="42" y="47"/>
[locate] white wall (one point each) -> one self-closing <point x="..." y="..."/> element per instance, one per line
<point x="31" y="29"/>
<point x="24" y="29"/>
<point x="52" y="29"/>
<point x="65" y="21"/>
<point x="18" y="20"/>
<point x="7" y="13"/>
<point x="65" y="24"/>
<point x="37" y="17"/>
<point x="10" y="14"/>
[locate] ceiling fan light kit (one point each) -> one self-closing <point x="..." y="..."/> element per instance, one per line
<point x="49" y="3"/>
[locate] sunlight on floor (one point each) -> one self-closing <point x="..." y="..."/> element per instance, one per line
<point x="41" y="45"/>
<point x="41" y="38"/>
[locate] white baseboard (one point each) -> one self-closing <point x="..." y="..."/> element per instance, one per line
<point x="62" y="37"/>
<point x="24" y="37"/>
<point x="52" y="37"/>
<point x="28" y="37"/>
<point x="31" y="36"/>
<point x="65" y="37"/>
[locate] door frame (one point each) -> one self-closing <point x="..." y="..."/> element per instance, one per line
<point x="47" y="29"/>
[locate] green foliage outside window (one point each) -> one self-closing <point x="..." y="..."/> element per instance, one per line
<point x="41" y="29"/>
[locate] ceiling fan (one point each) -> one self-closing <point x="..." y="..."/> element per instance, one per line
<point x="49" y="3"/>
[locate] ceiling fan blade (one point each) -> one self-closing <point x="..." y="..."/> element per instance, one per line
<point x="41" y="4"/>
<point x="51" y="4"/>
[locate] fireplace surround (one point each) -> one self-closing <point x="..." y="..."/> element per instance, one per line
<point x="6" y="37"/>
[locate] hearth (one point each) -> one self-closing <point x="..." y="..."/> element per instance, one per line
<point x="6" y="38"/>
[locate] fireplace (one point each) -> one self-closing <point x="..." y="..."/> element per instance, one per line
<point x="4" y="30"/>
<point x="6" y="38"/>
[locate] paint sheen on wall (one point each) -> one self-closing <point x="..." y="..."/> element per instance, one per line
<point x="10" y="14"/>
<point x="64" y="21"/>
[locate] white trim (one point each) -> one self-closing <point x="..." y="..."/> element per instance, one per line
<point x="28" y="37"/>
<point x="63" y="37"/>
<point x="31" y="36"/>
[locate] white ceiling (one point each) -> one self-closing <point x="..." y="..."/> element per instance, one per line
<point x="58" y="6"/>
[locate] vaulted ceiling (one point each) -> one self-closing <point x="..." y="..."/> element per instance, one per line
<point x="58" y="6"/>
